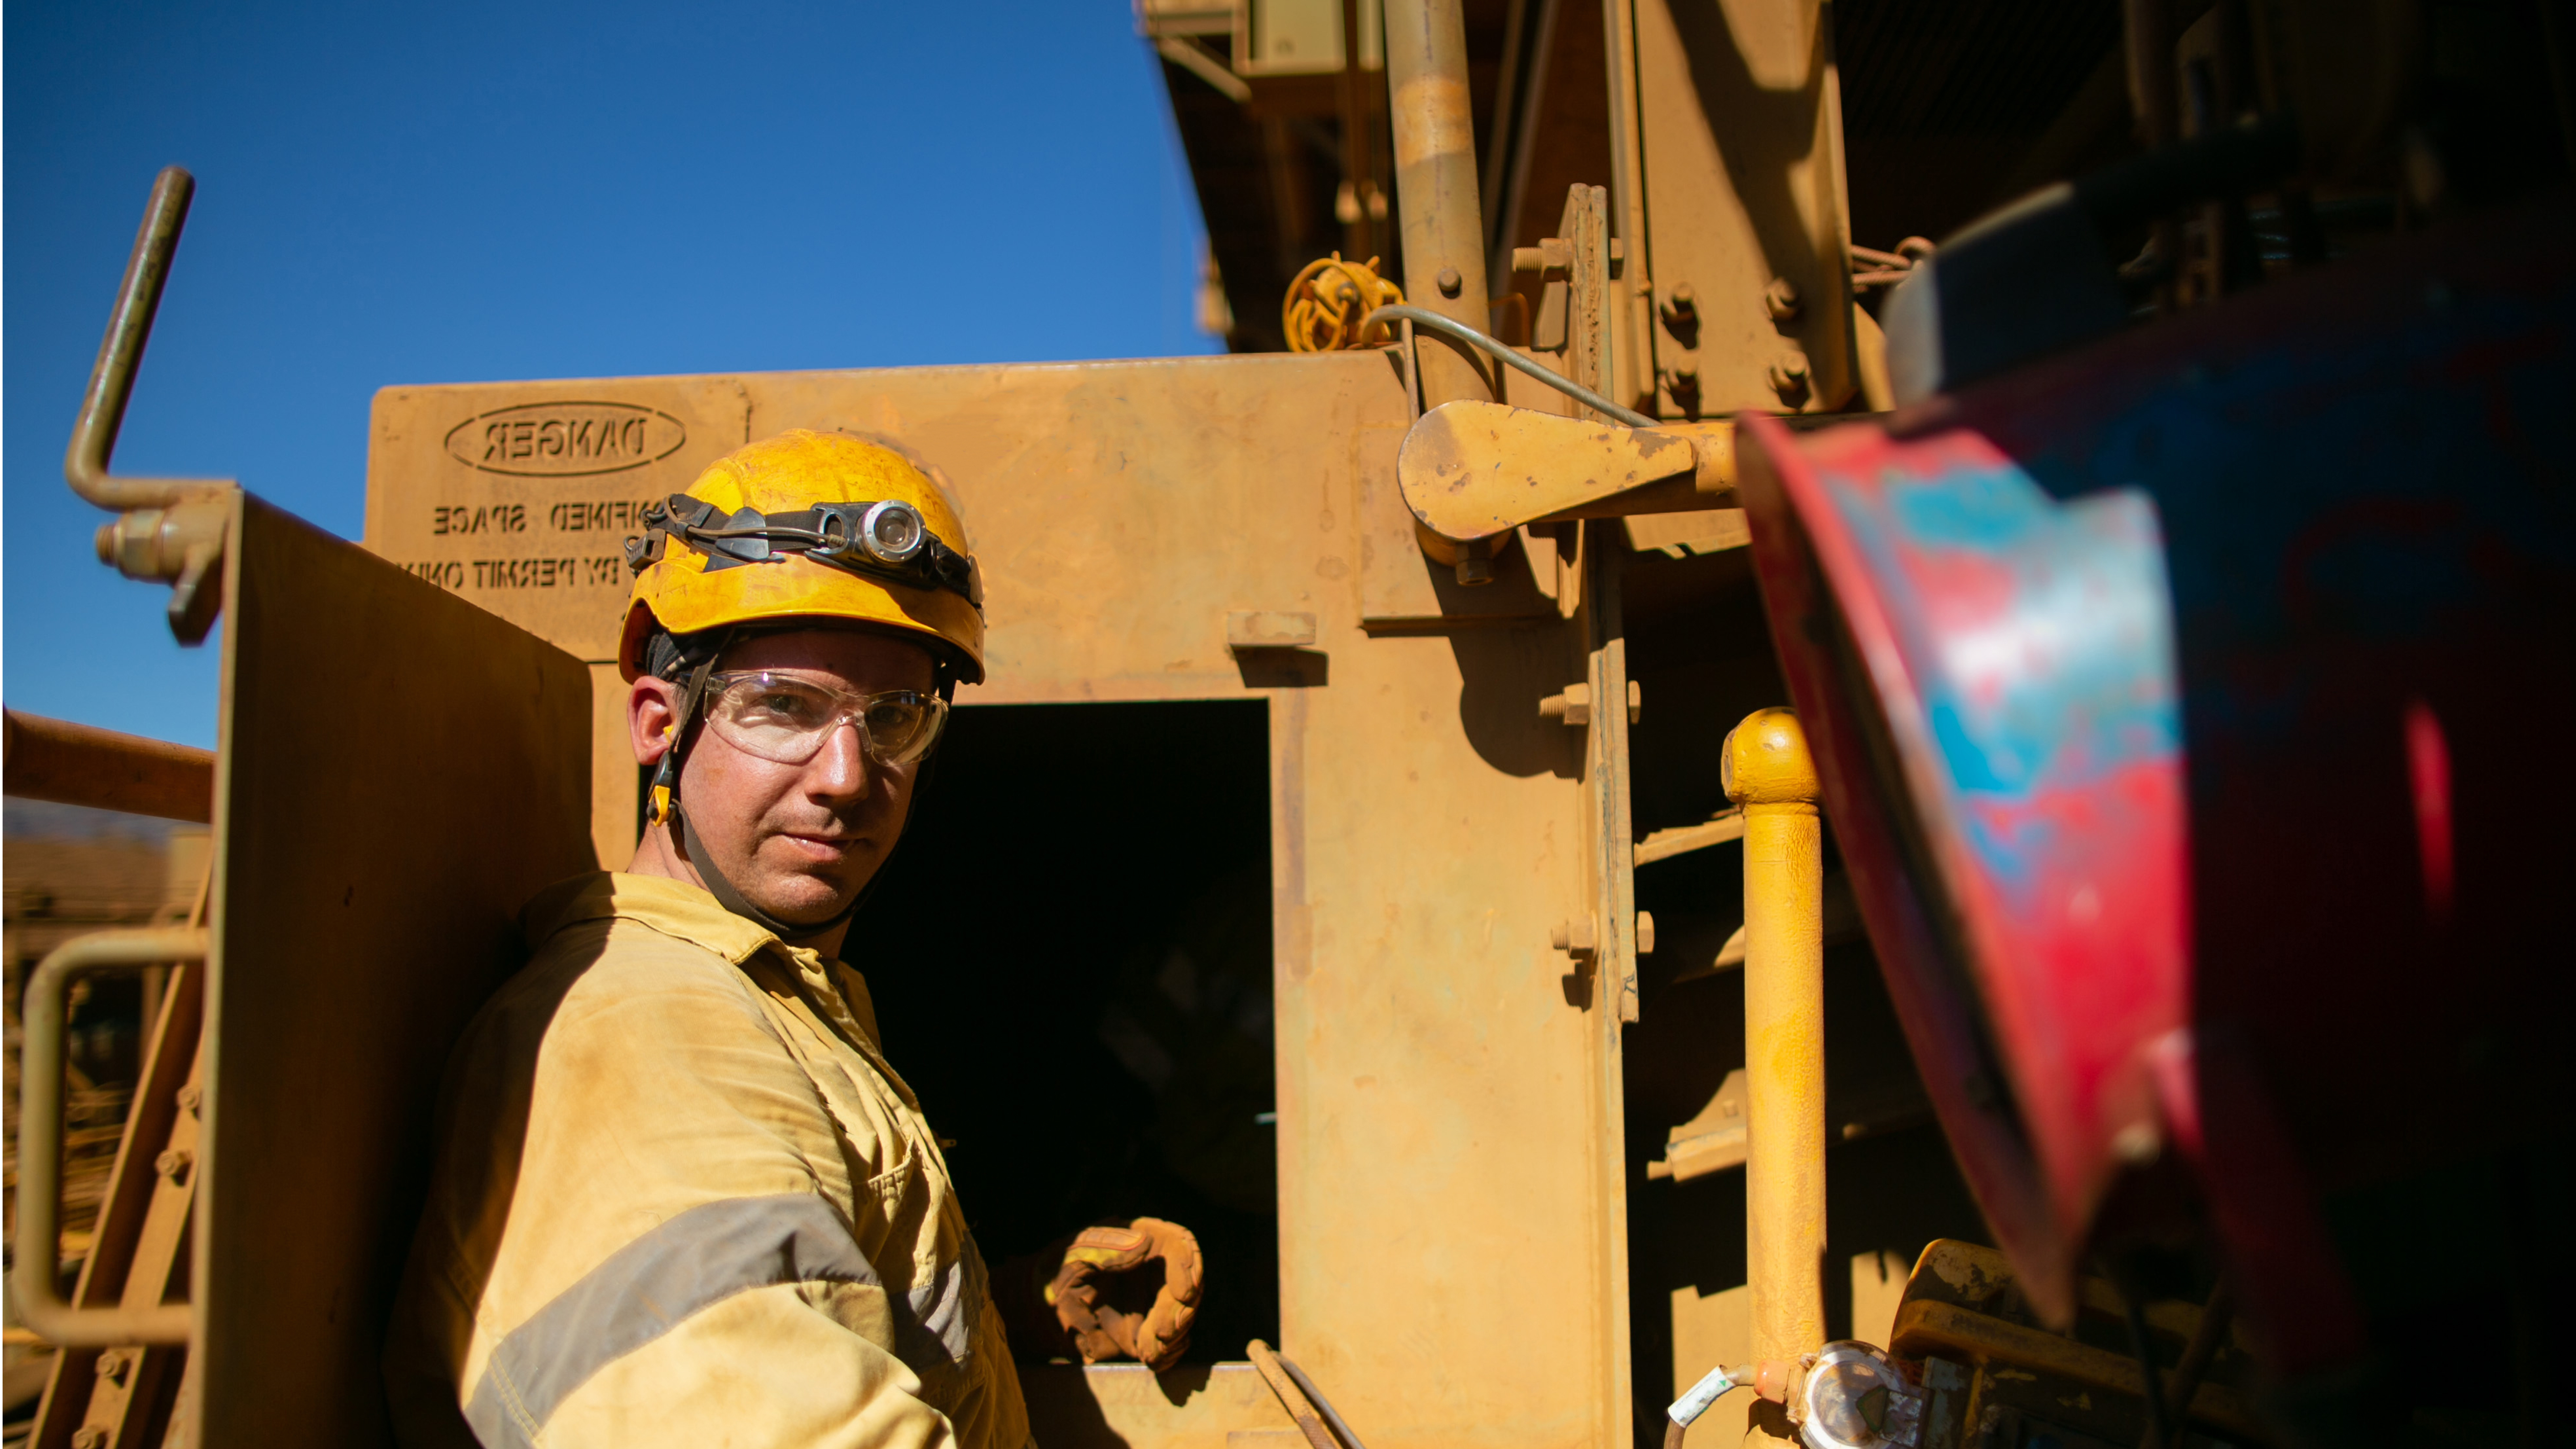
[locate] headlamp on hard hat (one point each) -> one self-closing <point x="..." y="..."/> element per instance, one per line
<point x="892" y="531"/>
<point x="884" y="540"/>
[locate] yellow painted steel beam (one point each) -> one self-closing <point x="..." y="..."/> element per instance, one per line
<point x="1768" y="771"/>
<point x="1473" y="470"/>
<point x="1435" y="186"/>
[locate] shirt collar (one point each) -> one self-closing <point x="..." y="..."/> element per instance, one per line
<point x="672" y="907"/>
<point x="690" y="913"/>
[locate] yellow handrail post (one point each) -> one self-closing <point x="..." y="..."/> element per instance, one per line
<point x="1768" y="771"/>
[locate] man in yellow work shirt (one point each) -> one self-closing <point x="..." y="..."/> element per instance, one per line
<point x="681" y="1196"/>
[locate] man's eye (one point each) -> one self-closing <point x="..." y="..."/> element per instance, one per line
<point x="784" y="706"/>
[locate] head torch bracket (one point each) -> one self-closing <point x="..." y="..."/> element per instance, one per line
<point x="850" y="536"/>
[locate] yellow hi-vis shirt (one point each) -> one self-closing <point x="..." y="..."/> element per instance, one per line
<point x="680" y="1198"/>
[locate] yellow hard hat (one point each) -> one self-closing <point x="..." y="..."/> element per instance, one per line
<point x="808" y="525"/>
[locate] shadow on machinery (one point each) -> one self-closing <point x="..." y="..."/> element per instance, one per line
<point x="1070" y="956"/>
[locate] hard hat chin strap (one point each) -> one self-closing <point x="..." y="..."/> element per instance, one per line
<point x="733" y="900"/>
<point x="666" y="808"/>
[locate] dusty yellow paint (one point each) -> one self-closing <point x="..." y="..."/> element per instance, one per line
<point x="1769" y="772"/>
<point x="1126" y="513"/>
<point x="1472" y="470"/>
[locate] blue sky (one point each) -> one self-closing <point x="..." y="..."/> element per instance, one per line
<point x="409" y="194"/>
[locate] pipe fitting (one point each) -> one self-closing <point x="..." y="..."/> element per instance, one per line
<point x="181" y="544"/>
<point x="1765" y="762"/>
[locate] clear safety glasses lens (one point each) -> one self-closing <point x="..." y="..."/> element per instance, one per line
<point x="786" y="720"/>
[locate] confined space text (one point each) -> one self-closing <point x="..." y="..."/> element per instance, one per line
<point x="520" y="573"/>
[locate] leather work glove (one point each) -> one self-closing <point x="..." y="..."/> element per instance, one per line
<point x="1113" y="1291"/>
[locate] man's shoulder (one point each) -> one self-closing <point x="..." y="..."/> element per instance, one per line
<point x="606" y="975"/>
<point x="606" y="961"/>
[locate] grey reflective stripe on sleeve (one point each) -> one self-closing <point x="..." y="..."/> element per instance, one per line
<point x="645" y="1289"/>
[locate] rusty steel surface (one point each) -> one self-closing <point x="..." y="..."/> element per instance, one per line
<point x="1629" y="371"/>
<point x="397" y="773"/>
<point x="1589" y="590"/>
<point x="1770" y="774"/>
<point x="1472" y="470"/>
<point x="1609" y="910"/>
<point x="1740" y="116"/>
<point x="1425" y="820"/>
<point x="77" y="764"/>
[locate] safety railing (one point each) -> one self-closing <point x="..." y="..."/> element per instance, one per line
<point x="36" y="1277"/>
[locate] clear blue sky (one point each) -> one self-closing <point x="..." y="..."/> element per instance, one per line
<point x="468" y="192"/>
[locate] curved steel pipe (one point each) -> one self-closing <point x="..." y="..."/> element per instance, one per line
<point x="34" y="1280"/>
<point x="111" y="382"/>
<point x="1502" y="352"/>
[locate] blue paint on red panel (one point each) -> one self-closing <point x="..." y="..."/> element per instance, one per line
<point x="2298" y="571"/>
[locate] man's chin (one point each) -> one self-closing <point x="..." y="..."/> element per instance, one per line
<point x="805" y="900"/>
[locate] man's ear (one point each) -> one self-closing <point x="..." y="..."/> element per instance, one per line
<point x="652" y="707"/>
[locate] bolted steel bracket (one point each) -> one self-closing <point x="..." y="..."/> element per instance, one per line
<point x="1574" y="706"/>
<point x="181" y="545"/>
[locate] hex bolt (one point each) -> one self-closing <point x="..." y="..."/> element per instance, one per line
<point x="1681" y="314"/>
<point x="1573" y="707"/>
<point x="1574" y="937"/>
<point x="90" y="1437"/>
<point x="1789" y="372"/>
<point x="192" y="1099"/>
<point x="1448" y="281"/>
<point x="1645" y="933"/>
<point x="1780" y="299"/>
<point x="113" y="1365"/>
<point x="1552" y="254"/>
<point x="174" y="1163"/>
<point x="1473" y="572"/>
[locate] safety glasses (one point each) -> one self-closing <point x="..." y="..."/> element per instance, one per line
<point x="784" y="719"/>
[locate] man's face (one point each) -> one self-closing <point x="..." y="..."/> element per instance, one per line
<point x="798" y="841"/>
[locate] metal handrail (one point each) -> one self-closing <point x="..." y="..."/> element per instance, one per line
<point x="120" y="352"/>
<point x="35" y="1279"/>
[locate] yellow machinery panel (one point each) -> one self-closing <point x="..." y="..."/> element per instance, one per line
<point x="395" y="774"/>
<point x="1451" y="1218"/>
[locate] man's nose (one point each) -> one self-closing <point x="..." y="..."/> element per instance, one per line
<point x="840" y="771"/>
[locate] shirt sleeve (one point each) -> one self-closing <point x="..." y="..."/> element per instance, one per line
<point x="674" y="1265"/>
